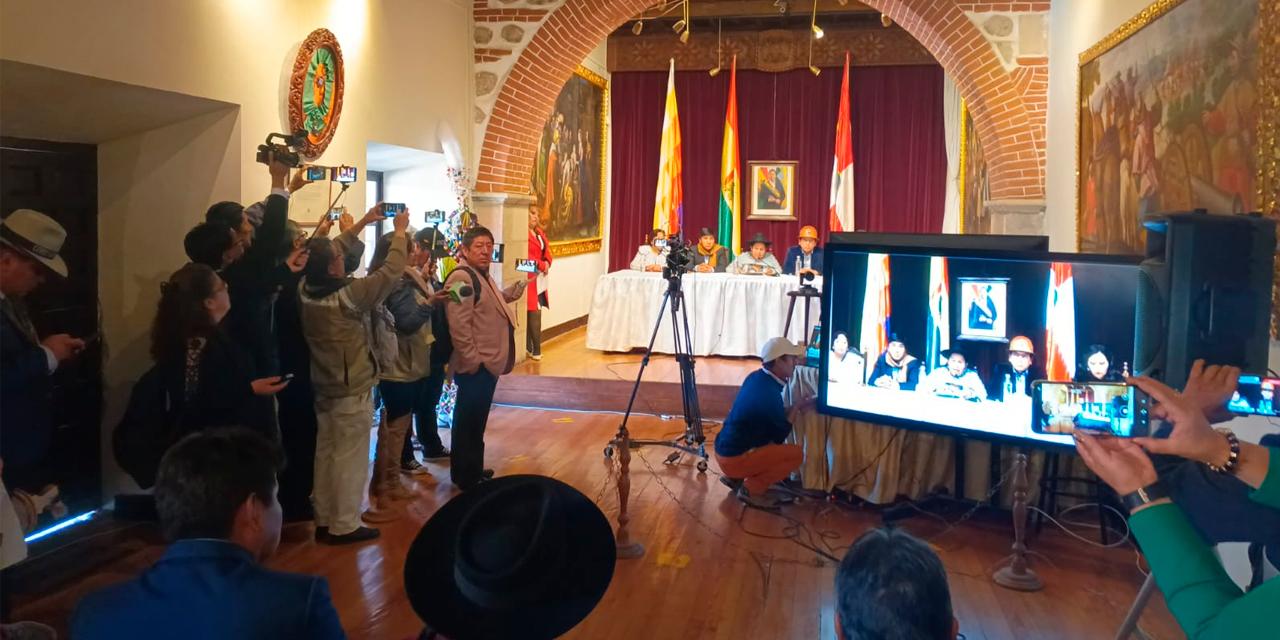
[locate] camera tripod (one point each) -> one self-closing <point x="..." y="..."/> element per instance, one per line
<point x="693" y="441"/>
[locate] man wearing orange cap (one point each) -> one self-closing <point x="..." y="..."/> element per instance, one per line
<point x="1014" y="378"/>
<point x="806" y="258"/>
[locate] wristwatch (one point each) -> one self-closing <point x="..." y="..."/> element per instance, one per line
<point x="1148" y="494"/>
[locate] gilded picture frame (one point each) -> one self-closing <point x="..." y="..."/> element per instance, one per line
<point x="1175" y="111"/>
<point x="316" y="90"/>
<point x="773" y="193"/>
<point x="568" y="177"/>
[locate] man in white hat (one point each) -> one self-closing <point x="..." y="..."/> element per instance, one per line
<point x="750" y="446"/>
<point x="29" y="246"/>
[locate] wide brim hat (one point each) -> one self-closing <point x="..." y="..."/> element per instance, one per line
<point x="947" y="353"/>
<point x="36" y="236"/>
<point x="759" y="237"/>
<point x="446" y="596"/>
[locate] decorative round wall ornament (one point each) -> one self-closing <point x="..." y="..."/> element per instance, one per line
<point x="315" y="91"/>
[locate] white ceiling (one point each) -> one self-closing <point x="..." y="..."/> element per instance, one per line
<point x="390" y="157"/>
<point x="47" y="104"/>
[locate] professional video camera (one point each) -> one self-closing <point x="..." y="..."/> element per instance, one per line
<point x="285" y="153"/>
<point x="679" y="256"/>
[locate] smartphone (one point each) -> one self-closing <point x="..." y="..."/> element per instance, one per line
<point x="497" y="253"/>
<point x="434" y="217"/>
<point x="316" y="173"/>
<point x="1063" y="407"/>
<point x="334" y="214"/>
<point x="661" y="244"/>
<point x="344" y="174"/>
<point x="392" y="209"/>
<point x="1255" y="396"/>
<point x="286" y="377"/>
<point x="527" y="266"/>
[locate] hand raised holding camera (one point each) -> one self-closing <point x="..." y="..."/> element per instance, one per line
<point x="279" y="171"/>
<point x="373" y="215"/>
<point x="299" y="179"/>
<point x="345" y="221"/>
<point x="401" y="222"/>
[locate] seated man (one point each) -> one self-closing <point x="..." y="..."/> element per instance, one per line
<point x="652" y="256"/>
<point x="1014" y="378"/>
<point x="895" y="368"/>
<point x="216" y="495"/>
<point x="806" y="258"/>
<point x="759" y="261"/>
<point x="711" y="258"/>
<point x="955" y="380"/>
<point x="750" y="446"/>
<point x="1239" y="403"/>
<point x="891" y="585"/>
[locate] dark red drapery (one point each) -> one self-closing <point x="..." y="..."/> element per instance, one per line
<point x="899" y="150"/>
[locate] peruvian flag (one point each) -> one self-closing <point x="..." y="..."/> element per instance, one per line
<point x="874" y="334"/>
<point x="1060" y="318"/>
<point x="842" y="170"/>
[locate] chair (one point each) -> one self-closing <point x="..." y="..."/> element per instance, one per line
<point x="1051" y="487"/>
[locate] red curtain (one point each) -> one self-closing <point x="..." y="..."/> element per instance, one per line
<point x="899" y="152"/>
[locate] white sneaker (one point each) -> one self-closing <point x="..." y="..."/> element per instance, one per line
<point x="536" y="357"/>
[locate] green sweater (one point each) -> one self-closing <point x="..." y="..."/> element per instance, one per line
<point x="1207" y="604"/>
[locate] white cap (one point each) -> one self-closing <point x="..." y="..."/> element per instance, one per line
<point x="777" y="347"/>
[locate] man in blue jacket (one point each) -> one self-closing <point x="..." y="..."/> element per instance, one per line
<point x="750" y="446"/>
<point x="216" y="494"/>
<point x="806" y="258"/>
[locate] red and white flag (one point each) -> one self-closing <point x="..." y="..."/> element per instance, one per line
<point x="1060" y="318"/>
<point x="842" y="170"/>
<point x="873" y="337"/>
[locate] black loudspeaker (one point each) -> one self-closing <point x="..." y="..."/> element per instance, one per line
<point x="1204" y="292"/>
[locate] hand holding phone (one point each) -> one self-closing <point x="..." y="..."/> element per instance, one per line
<point x="1119" y="410"/>
<point x="527" y="266"/>
<point x="344" y="174"/>
<point x="316" y="173"/>
<point x="392" y="209"/>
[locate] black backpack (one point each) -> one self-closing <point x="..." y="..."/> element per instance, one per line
<point x="151" y="424"/>
<point x="442" y="349"/>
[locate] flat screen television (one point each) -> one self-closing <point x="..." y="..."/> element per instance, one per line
<point x="944" y="240"/>
<point x="921" y="337"/>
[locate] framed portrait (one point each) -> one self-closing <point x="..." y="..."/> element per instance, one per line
<point x="983" y="304"/>
<point x="568" y="172"/>
<point x="315" y="91"/>
<point x="773" y="189"/>
<point x="1171" y="111"/>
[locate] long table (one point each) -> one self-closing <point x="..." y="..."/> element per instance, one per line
<point x="729" y="315"/>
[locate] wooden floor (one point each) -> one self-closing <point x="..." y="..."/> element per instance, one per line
<point x="704" y="575"/>
<point x="567" y="356"/>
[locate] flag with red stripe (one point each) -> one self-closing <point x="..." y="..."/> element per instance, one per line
<point x="842" y="169"/>
<point x="1060" y="318"/>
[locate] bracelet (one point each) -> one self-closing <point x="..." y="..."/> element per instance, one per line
<point x="1230" y="465"/>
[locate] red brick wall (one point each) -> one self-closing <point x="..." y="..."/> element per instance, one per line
<point x="1006" y="7"/>
<point x="1011" y="129"/>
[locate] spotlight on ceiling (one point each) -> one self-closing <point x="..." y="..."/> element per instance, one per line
<point x="679" y="26"/>
<point x="817" y="32"/>
<point x="844" y="3"/>
<point x="637" y="27"/>
<point x="814" y="70"/>
<point x="886" y="20"/>
<point x="715" y="72"/>
<point x="684" y="37"/>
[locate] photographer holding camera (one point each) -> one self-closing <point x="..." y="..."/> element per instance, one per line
<point x="334" y="310"/>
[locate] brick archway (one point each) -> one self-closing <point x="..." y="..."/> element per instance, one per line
<point x="1014" y="148"/>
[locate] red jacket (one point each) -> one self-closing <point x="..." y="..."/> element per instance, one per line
<point x="539" y="252"/>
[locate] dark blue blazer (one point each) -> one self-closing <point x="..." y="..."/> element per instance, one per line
<point x="789" y="265"/>
<point x="209" y="590"/>
<point x="25" y="413"/>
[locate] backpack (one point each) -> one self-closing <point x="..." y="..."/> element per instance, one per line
<point x="386" y="346"/>
<point x="149" y="426"/>
<point x="442" y="348"/>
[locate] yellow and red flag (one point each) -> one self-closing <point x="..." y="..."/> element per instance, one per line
<point x="668" y="207"/>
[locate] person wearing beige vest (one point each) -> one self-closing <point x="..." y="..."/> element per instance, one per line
<point x="483" y="336"/>
<point x="335" y="312"/>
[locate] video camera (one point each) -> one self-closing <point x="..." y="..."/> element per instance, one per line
<point x="286" y="152"/>
<point x="679" y="256"/>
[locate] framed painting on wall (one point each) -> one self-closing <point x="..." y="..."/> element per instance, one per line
<point x="1170" y="109"/>
<point x="568" y="172"/>
<point x="773" y="190"/>
<point x="983" y="302"/>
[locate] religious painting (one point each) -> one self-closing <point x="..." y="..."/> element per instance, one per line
<point x="975" y="189"/>
<point x="1168" y="114"/>
<point x="773" y="190"/>
<point x="568" y="172"/>
<point x="315" y="91"/>
<point x="983" y="304"/>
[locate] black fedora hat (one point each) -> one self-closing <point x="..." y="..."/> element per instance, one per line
<point x="516" y="558"/>
<point x="759" y="237"/>
<point x="947" y="353"/>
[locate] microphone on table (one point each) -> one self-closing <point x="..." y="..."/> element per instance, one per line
<point x="459" y="291"/>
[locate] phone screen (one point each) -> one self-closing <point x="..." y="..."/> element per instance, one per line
<point x="392" y="209"/>
<point x="316" y="173"/>
<point x="344" y="174"/>
<point x="527" y="266"/>
<point x="661" y="244"/>
<point x="434" y="217"/>
<point x="1063" y="407"/>
<point x="334" y="214"/>
<point x="1255" y="396"/>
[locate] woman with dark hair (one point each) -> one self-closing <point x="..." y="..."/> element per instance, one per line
<point x="209" y="374"/>
<point x="1098" y="366"/>
<point x="845" y="364"/>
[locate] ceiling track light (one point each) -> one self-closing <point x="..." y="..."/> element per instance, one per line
<point x="686" y="24"/>
<point x="637" y="27"/>
<point x="817" y="31"/>
<point x="717" y="69"/>
<point x="679" y="26"/>
<point x="814" y="70"/>
<point x="886" y="20"/>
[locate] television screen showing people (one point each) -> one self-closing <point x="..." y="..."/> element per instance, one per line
<point x="955" y="340"/>
<point x="1254" y="396"/>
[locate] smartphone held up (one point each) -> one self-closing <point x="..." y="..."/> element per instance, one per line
<point x="1114" y="409"/>
<point x="392" y="209"/>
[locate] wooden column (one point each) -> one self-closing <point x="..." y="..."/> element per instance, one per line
<point x="626" y="548"/>
<point x="1018" y="575"/>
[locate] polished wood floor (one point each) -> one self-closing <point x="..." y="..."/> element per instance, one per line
<point x="711" y="569"/>
<point x="567" y="356"/>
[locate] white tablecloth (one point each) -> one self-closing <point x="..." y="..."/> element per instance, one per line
<point x="728" y="315"/>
